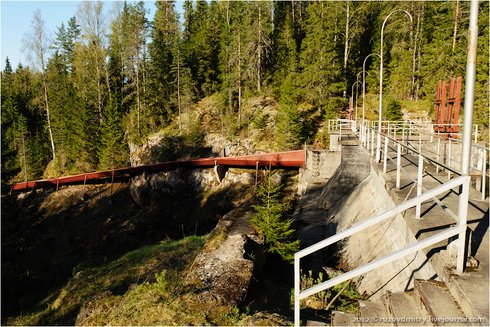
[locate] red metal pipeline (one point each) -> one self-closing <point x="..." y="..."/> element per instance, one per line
<point x="285" y="160"/>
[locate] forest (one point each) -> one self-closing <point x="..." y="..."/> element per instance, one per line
<point x="105" y="82"/>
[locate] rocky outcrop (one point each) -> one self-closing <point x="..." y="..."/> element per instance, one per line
<point x="222" y="272"/>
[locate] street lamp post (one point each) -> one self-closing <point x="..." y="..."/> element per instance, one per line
<point x="364" y="83"/>
<point x="378" y="143"/>
<point x="352" y="95"/>
<point x="357" y="91"/>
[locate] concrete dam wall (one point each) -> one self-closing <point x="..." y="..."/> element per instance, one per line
<point x="353" y="193"/>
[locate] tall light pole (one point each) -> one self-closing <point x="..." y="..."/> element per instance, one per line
<point x="364" y="83"/>
<point x="378" y="143"/>
<point x="352" y="95"/>
<point x="469" y="96"/>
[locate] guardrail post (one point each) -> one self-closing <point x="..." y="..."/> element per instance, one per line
<point x="431" y="132"/>
<point x="366" y="143"/>
<point x="395" y="133"/>
<point x="385" y="157"/>
<point x="449" y="158"/>
<point x="296" y="291"/>
<point x="403" y="135"/>
<point x="363" y="128"/>
<point x="483" y="175"/>
<point x="419" y="184"/>
<point x="372" y="142"/>
<point x="362" y="133"/>
<point x="438" y="151"/>
<point x="398" y="164"/>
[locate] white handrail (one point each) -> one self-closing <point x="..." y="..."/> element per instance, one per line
<point x="298" y="295"/>
<point x="381" y="262"/>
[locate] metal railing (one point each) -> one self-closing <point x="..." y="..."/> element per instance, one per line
<point x="450" y="232"/>
<point x="367" y="137"/>
<point x="444" y="152"/>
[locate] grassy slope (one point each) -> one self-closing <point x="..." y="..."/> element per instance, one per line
<point x="133" y="272"/>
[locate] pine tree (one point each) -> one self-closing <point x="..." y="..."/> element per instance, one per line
<point x="270" y="223"/>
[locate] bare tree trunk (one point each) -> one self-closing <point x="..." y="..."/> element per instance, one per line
<point x="414" y="42"/>
<point x="346" y="48"/>
<point x="138" y="101"/>
<point x="239" y="82"/>
<point x="292" y="10"/>
<point x="143" y="66"/>
<point x="48" y="115"/>
<point x="178" y="89"/>
<point x="107" y="82"/>
<point x="259" y="49"/>
<point x="455" y="32"/>
<point x="24" y="156"/>
<point x="38" y="45"/>
<point x="419" y="52"/>
<point x="99" y="90"/>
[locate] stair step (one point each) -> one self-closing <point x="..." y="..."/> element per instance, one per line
<point x="315" y="323"/>
<point x="407" y="311"/>
<point x="340" y="318"/>
<point x="439" y="303"/>
<point x="374" y="314"/>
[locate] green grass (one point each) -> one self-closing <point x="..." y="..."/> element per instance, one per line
<point x="146" y="286"/>
<point x="347" y="301"/>
<point x="128" y="274"/>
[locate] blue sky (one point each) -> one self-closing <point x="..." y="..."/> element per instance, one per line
<point x="16" y="22"/>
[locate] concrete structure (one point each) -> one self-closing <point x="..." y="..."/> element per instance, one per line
<point x="387" y="287"/>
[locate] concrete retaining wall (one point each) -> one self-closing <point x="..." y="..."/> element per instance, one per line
<point x="366" y="200"/>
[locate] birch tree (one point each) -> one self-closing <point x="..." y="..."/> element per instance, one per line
<point x="37" y="45"/>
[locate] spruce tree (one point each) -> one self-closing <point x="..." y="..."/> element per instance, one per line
<point x="321" y="76"/>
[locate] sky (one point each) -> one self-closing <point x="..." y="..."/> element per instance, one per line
<point x="16" y="22"/>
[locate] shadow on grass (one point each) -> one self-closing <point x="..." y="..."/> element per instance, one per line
<point x="49" y="237"/>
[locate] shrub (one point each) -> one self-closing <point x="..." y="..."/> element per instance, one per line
<point x="269" y="222"/>
<point x="394" y="110"/>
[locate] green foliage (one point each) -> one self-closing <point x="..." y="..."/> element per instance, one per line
<point x="106" y="90"/>
<point x="346" y="301"/>
<point x="270" y="223"/>
<point x="113" y="150"/>
<point x="394" y="110"/>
